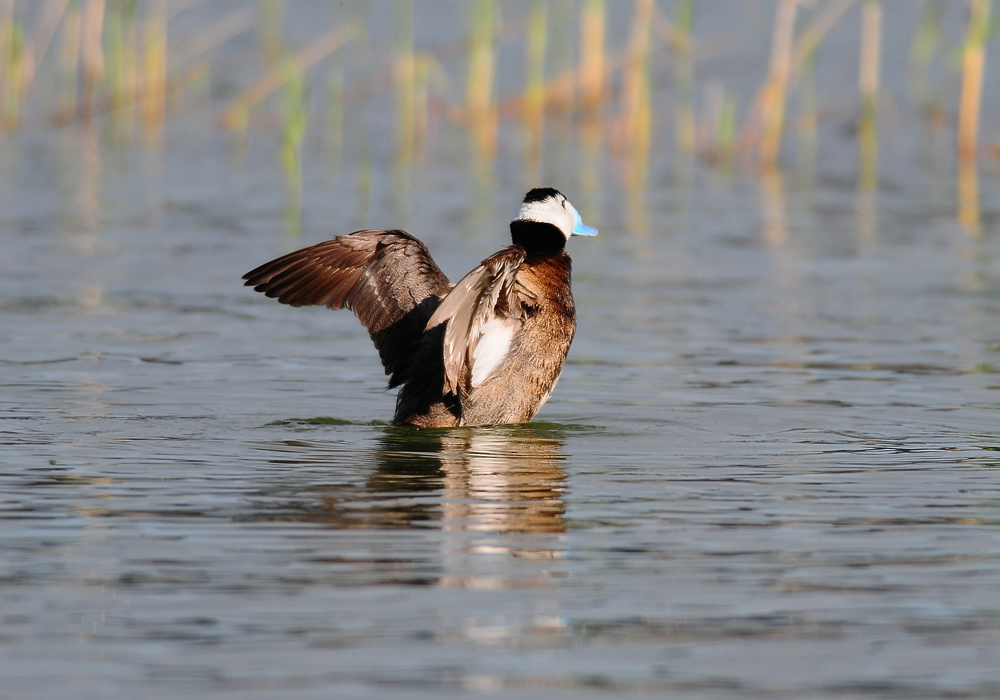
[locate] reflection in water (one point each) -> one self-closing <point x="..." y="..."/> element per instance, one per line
<point x="502" y="483"/>
<point x="968" y="196"/>
<point x="493" y="495"/>
<point x="773" y="205"/>
<point x="494" y="479"/>
<point x="88" y="198"/>
<point x="502" y="480"/>
<point x="867" y="208"/>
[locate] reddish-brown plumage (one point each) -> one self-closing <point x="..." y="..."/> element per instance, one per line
<point x="487" y="350"/>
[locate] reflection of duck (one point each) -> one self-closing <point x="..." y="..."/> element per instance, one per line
<point x="487" y="350"/>
<point x="470" y="500"/>
<point x="507" y="480"/>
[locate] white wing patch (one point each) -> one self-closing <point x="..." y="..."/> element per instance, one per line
<point x="483" y="312"/>
<point x="492" y="348"/>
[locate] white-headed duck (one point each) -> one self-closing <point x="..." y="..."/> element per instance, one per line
<point x="485" y="351"/>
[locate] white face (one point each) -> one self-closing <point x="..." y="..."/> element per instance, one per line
<point x="556" y="211"/>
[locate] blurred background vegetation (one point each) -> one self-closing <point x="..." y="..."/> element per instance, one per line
<point x="586" y="87"/>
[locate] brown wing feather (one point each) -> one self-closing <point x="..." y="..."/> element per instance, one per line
<point x="488" y="292"/>
<point x="387" y="278"/>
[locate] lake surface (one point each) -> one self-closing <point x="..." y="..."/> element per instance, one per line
<point x="771" y="467"/>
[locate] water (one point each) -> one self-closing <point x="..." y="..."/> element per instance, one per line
<point x="770" y="468"/>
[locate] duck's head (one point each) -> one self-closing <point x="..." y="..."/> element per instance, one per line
<point x="546" y="220"/>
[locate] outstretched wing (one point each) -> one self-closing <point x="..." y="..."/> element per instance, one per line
<point x="387" y="278"/>
<point x="483" y="313"/>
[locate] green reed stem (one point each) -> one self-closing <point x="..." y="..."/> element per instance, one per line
<point x="685" y="133"/>
<point x="405" y="77"/>
<point x="480" y="107"/>
<point x="868" y="87"/>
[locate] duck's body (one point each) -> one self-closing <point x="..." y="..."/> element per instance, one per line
<point x="487" y="350"/>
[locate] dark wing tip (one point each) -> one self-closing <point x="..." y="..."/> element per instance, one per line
<point x="262" y="274"/>
<point x="387" y="278"/>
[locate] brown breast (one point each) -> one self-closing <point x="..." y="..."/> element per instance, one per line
<point x="522" y="382"/>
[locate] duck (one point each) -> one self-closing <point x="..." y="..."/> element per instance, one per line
<point x="485" y="351"/>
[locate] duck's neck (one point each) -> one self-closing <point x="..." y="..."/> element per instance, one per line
<point x="537" y="238"/>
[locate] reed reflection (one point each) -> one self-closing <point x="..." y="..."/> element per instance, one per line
<point x="772" y="192"/>
<point x="968" y="196"/>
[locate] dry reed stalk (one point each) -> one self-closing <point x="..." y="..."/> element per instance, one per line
<point x="804" y="57"/>
<point x="718" y="123"/>
<point x="153" y="75"/>
<point x="766" y="122"/>
<point x="430" y="81"/>
<point x="592" y="79"/>
<point x="269" y="30"/>
<point x="421" y="103"/>
<point x="973" y="67"/>
<point x="445" y="53"/>
<point x="404" y="68"/>
<point x="235" y="117"/>
<point x="772" y="190"/>
<point x="968" y="195"/>
<point x="69" y="62"/>
<point x="635" y="120"/>
<point x="771" y="101"/>
<point x="88" y="205"/>
<point x="560" y="89"/>
<point x="562" y="51"/>
<point x="633" y="128"/>
<point x="868" y="87"/>
<point x="871" y="39"/>
<point x="676" y="34"/>
<point x="122" y="67"/>
<point x="335" y="111"/>
<point x="591" y="142"/>
<point x="533" y="113"/>
<point x="92" y="55"/>
<point x="11" y="62"/>
<point x="925" y="46"/>
<point x="48" y="22"/>
<point x="809" y="40"/>
<point x="866" y="212"/>
<point x="591" y="73"/>
<point x="15" y="66"/>
<point x="807" y="131"/>
<point x="296" y="112"/>
<point x="557" y="91"/>
<point x="216" y="34"/>
<point x="685" y="130"/>
<point x="6" y="37"/>
<point x="480" y="109"/>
